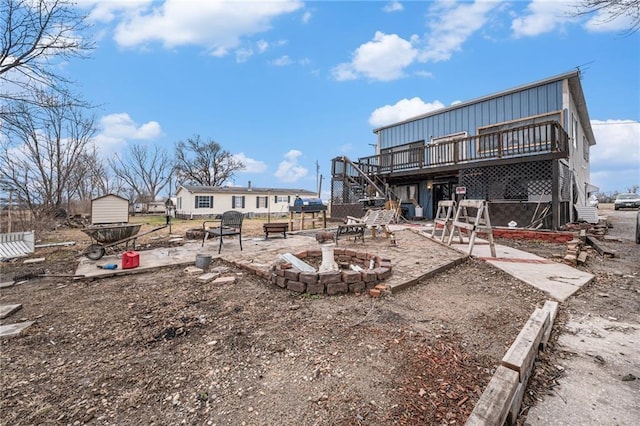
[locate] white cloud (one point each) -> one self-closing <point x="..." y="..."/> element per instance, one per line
<point x="215" y="25"/>
<point x="615" y="159"/>
<point x="262" y="45"/>
<point x="383" y="58"/>
<point x="250" y="165"/>
<point x="289" y="170"/>
<point x="118" y="128"/>
<point x="243" y="55"/>
<point x="601" y="22"/>
<point x="393" y="6"/>
<point x="402" y="110"/>
<point x="544" y="16"/>
<point x="282" y="61"/>
<point x="306" y="17"/>
<point x="107" y="11"/>
<point x="452" y="24"/>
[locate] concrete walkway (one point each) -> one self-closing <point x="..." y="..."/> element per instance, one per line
<point x="558" y="280"/>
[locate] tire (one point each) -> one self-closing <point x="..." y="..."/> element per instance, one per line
<point x="94" y="252"/>
<point x="616" y="208"/>
<point x="638" y="228"/>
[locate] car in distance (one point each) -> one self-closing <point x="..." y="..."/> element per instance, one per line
<point x="628" y="200"/>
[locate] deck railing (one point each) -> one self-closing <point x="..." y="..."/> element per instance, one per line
<point x="534" y="139"/>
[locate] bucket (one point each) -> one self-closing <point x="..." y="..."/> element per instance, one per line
<point x="203" y="261"/>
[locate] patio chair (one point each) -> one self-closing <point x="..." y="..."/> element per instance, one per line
<point x="230" y="224"/>
<point x="382" y="221"/>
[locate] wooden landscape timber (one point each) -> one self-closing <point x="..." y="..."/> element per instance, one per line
<point x="501" y="400"/>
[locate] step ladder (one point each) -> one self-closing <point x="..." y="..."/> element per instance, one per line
<point x="479" y="223"/>
<point x="444" y="217"/>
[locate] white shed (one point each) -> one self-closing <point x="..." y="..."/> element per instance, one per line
<point x="109" y="208"/>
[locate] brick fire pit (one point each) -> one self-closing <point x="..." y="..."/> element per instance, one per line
<point x="331" y="283"/>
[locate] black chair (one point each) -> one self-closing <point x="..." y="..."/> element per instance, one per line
<point x="230" y="224"/>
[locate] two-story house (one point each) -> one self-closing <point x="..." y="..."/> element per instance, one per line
<point x="525" y="150"/>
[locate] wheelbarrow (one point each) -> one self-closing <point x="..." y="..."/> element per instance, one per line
<point x="112" y="237"/>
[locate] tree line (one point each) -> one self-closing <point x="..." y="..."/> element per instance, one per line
<point x="48" y="154"/>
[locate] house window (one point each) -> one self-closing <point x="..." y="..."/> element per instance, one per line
<point x="237" y="202"/>
<point x="281" y="199"/>
<point x="574" y="131"/>
<point x="406" y="192"/>
<point x="585" y="149"/>
<point x="261" y="202"/>
<point x="204" y="202"/>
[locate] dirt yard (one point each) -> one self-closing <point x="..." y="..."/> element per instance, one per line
<point x="162" y="348"/>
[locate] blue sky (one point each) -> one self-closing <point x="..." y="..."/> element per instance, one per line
<point x="286" y="85"/>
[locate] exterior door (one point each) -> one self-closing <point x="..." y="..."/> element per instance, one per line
<point x="444" y="190"/>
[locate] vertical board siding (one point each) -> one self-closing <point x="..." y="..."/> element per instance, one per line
<point x="513" y="106"/>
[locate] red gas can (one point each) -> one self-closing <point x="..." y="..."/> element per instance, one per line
<point x="130" y="259"/>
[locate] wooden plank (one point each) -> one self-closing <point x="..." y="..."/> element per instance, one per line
<point x="551" y="307"/>
<point x="516" y="403"/>
<point x="523" y="351"/>
<point x="476" y="204"/>
<point x="602" y="251"/>
<point x="494" y="403"/>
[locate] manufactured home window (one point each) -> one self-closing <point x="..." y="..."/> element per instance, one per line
<point x="281" y="199"/>
<point x="204" y="202"/>
<point x="261" y="202"/>
<point x="237" y="202"/>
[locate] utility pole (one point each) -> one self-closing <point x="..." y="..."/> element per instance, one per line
<point x="318" y="177"/>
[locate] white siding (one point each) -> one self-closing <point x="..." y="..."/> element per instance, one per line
<point x="109" y="209"/>
<point x="224" y="201"/>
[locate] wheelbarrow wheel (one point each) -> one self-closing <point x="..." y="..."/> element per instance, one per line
<point x="94" y="252"/>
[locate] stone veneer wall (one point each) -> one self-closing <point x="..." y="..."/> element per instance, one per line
<point x="334" y="282"/>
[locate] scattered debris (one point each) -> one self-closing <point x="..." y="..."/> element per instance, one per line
<point x="14" y="329"/>
<point x="65" y="244"/>
<point x="6" y="310"/>
<point x="35" y="260"/>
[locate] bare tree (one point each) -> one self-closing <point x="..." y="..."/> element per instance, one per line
<point x="91" y="177"/>
<point x="41" y="148"/>
<point x="146" y="172"/>
<point x="204" y="163"/>
<point x="35" y="36"/>
<point x="613" y="9"/>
